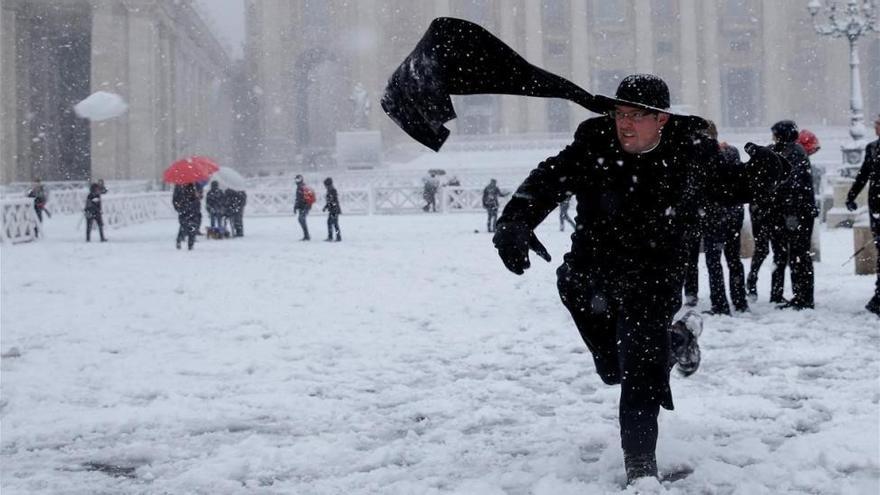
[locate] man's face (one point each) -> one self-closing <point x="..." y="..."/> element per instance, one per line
<point x="638" y="130"/>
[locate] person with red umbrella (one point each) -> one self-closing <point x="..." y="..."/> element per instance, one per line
<point x="187" y="201"/>
<point x="185" y="174"/>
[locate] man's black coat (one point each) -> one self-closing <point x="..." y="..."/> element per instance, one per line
<point x="635" y="212"/>
<point x="870" y="171"/>
<point x="795" y="197"/>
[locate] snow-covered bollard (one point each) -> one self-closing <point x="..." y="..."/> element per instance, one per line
<point x="866" y="260"/>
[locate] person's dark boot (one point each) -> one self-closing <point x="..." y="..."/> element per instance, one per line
<point x="338" y="237"/>
<point x="683" y="336"/>
<point x="752" y="286"/>
<point x="874" y="305"/>
<point x="639" y="466"/>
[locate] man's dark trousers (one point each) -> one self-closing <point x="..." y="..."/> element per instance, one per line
<point x="627" y="333"/>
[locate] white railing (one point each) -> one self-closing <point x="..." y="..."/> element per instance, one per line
<point x="120" y="210"/>
<point x="279" y="202"/>
<point x="19" y="220"/>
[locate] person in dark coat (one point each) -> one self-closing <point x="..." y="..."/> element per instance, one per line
<point x="40" y="195"/>
<point x="691" y="267"/>
<point x="491" y="193"/>
<point x="94" y="212"/>
<point x="188" y="205"/>
<point x="870" y="172"/>
<point x="301" y="207"/>
<point x="214" y="203"/>
<point x="235" y="202"/>
<point x="763" y="226"/>
<point x="640" y="176"/>
<point x="429" y="192"/>
<point x="564" y="205"/>
<point x="793" y="214"/>
<point x="331" y="206"/>
<point x="721" y="234"/>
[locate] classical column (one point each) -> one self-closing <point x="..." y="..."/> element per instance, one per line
<point x="8" y="112"/>
<point x="537" y="108"/>
<point x="710" y="82"/>
<point x="143" y="43"/>
<point x="690" y="91"/>
<point x="580" y="52"/>
<point x="644" y="38"/>
<point x="774" y="73"/>
<point x="511" y="117"/>
<point x="110" y="73"/>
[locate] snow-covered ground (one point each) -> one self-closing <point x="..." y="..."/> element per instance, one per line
<point x="406" y="360"/>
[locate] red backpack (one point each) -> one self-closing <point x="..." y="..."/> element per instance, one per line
<point x="309" y="195"/>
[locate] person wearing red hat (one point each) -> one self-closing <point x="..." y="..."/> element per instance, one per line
<point x="641" y="175"/>
<point x="808" y="141"/>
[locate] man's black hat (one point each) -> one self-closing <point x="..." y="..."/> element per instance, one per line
<point x="639" y="90"/>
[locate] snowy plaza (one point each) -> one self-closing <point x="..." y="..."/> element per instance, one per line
<point x="405" y="359"/>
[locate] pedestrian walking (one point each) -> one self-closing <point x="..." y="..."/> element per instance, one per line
<point x="94" y="211"/>
<point x="331" y="206"/>
<point x="302" y="204"/>
<point x="491" y="193"/>
<point x="870" y="172"/>
<point x="564" y="205"/>
<point x="40" y="196"/>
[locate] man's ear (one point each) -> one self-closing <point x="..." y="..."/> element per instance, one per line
<point x="662" y="118"/>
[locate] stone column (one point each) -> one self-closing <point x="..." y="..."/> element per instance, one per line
<point x="536" y="107"/>
<point x="143" y="42"/>
<point x="110" y="73"/>
<point x="690" y="91"/>
<point x="8" y="107"/>
<point x="710" y="82"/>
<point x="644" y="38"/>
<point x="580" y="52"/>
<point x="511" y="117"/>
<point x="774" y="72"/>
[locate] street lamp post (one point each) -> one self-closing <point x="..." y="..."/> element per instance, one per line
<point x="856" y="19"/>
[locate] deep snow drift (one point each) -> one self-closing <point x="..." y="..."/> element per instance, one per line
<point x="405" y="359"/>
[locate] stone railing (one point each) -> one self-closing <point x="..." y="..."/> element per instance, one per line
<point x="121" y="210"/>
<point x="19" y="220"/>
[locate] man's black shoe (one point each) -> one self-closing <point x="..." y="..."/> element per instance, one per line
<point x="795" y="305"/>
<point x="639" y="466"/>
<point x="685" y="350"/>
<point x="874" y="305"/>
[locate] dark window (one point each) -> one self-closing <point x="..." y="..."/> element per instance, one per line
<point x="609" y="11"/>
<point x="555" y="14"/>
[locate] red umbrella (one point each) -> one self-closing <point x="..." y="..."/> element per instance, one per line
<point x="189" y="170"/>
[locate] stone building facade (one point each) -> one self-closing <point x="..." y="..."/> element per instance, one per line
<point x="742" y="63"/>
<point x="158" y="55"/>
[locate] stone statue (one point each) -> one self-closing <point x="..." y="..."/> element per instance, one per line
<point x="361" y="107"/>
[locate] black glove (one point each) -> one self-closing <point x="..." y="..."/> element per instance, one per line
<point x="513" y="241"/>
<point x="851" y="205"/>
<point x="765" y="169"/>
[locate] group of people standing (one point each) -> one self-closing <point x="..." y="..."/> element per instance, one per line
<point x="225" y="207"/>
<point x="783" y="221"/>
<point x="226" y="211"/>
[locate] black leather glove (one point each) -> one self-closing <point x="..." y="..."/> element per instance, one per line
<point x="765" y="169"/>
<point x="851" y="205"/>
<point x="513" y="241"/>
